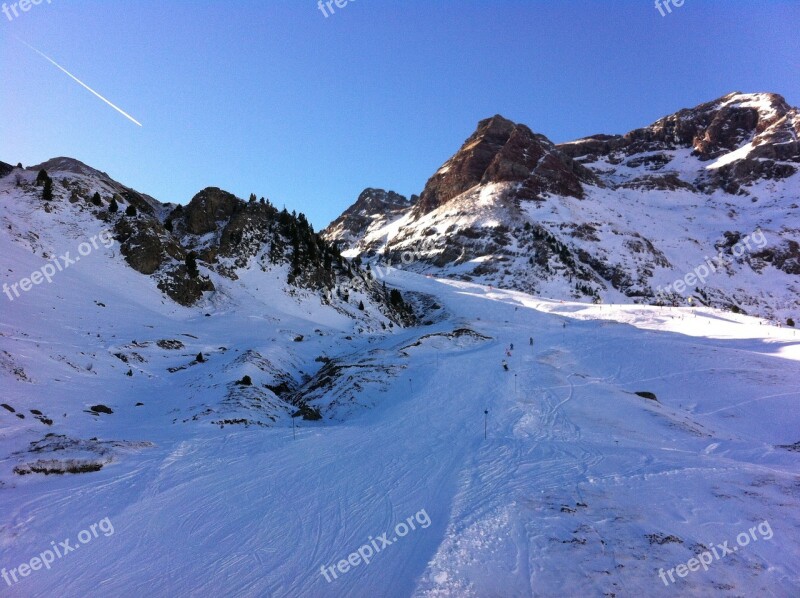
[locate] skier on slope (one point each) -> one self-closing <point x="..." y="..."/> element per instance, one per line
<point x="505" y="365"/>
<point x="531" y="341"/>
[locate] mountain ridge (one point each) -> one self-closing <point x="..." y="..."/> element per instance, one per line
<point x="182" y="248"/>
<point x="613" y="217"/>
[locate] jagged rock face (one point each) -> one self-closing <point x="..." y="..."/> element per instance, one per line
<point x="246" y="231"/>
<point x="785" y="257"/>
<point x="145" y="244"/>
<point x="183" y="288"/>
<point x="710" y="129"/>
<point x="371" y="202"/>
<point x="151" y="250"/>
<point x="5" y="169"/>
<point x="207" y="208"/>
<point x="764" y="121"/>
<point x="229" y="234"/>
<point x="501" y="151"/>
<point x="373" y="205"/>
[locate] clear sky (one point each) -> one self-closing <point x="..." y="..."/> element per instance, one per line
<point x="274" y="98"/>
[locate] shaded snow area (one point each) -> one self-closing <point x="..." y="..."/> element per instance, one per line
<point x="129" y="467"/>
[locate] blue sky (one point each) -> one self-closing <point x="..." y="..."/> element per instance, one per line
<point x="276" y="99"/>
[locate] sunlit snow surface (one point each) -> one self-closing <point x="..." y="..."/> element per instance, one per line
<point x="581" y="488"/>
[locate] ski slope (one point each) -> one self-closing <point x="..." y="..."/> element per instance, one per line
<point x="580" y="488"/>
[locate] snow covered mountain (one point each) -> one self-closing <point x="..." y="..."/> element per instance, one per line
<point x="700" y="205"/>
<point x="263" y="419"/>
<point x="95" y="240"/>
<point x="374" y="207"/>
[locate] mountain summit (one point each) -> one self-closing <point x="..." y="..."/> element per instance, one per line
<point x="501" y="151"/>
<point x="746" y="137"/>
<point x="612" y="217"/>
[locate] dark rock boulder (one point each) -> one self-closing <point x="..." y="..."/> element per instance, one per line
<point x="183" y="288"/>
<point x="145" y="244"/>
<point x="207" y="209"/>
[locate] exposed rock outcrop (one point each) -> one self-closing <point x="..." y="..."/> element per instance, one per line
<point x="501" y="151"/>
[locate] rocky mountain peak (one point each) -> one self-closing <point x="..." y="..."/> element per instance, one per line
<point x="502" y="151"/>
<point x="375" y="200"/>
<point x="737" y="139"/>
<point x="710" y="129"/>
<point x="372" y="207"/>
<point x="719" y="126"/>
<point x="704" y="175"/>
<point x="69" y="165"/>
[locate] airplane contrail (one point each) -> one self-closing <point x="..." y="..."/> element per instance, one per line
<point x="66" y="72"/>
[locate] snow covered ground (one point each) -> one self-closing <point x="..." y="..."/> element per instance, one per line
<point x="581" y="486"/>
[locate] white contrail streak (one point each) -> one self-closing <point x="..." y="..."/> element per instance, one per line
<point x="66" y="72"/>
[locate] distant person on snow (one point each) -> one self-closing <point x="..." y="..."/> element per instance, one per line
<point x="505" y="365"/>
<point x="531" y="341"/>
<point x="512" y="347"/>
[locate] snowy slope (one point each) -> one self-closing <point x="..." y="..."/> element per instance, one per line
<point x="167" y="475"/>
<point x="580" y="488"/>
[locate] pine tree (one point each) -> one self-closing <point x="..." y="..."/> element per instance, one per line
<point x="130" y="210"/>
<point x="191" y="264"/>
<point x="361" y="305"/>
<point x="47" y="192"/>
<point x="42" y="177"/>
<point x="113" y="207"/>
<point x="396" y="298"/>
<point x="96" y="199"/>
